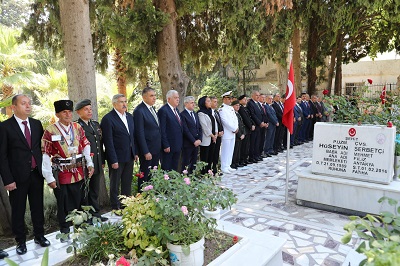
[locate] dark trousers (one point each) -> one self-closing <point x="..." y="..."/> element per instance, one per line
<point x="244" y="148"/>
<point x="207" y="155"/>
<point x="269" y="139"/>
<point x="32" y="190"/>
<point x="170" y="160"/>
<point x="236" y="152"/>
<point x="254" y="144"/>
<point x="189" y="158"/>
<point x="294" y="139"/>
<point x="304" y="130"/>
<point x="262" y="140"/>
<point x="121" y="176"/>
<point x="279" y="132"/>
<point x="144" y="167"/>
<point x="215" y="154"/>
<point x="68" y="198"/>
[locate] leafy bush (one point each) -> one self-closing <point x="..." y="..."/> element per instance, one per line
<point x="217" y="85"/>
<point x="381" y="235"/>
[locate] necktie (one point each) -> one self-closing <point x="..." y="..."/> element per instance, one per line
<point x="177" y="116"/>
<point x="153" y="112"/>
<point x="28" y="139"/>
<point x="191" y="113"/>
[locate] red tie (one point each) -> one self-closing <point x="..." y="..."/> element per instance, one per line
<point x="177" y="116"/>
<point x="28" y="139"/>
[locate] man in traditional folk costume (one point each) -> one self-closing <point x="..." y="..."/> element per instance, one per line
<point x="66" y="153"/>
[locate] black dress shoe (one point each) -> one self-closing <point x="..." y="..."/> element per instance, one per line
<point x="21" y="248"/>
<point x="249" y="162"/>
<point x="268" y="155"/>
<point x="3" y="254"/>
<point x="42" y="241"/>
<point x="103" y="219"/>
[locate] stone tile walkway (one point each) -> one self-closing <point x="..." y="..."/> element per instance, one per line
<point x="312" y="236"/>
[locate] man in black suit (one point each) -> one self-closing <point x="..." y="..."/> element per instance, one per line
<point x="249" y="124"/>
<point x="171" y="132"/>
<point x="20" y="169"/>
<point x="273" y="124"/>
<point x="279" y="132"/>
<point x="118" y="137"/>
<point x="192" y="134"/>
<point x="217" y="147"/>
<point x="94" y="136"/>
<point x="147" y="134"/>
<point x="257" y="116"/>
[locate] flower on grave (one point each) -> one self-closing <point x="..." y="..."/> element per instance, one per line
<point x="184" y="210"/>
<point x="185" y="172"/>
<point x="187" y="180"/>
<point x="147" y="188"/>
<point x="122" y="261"/>
<point x="166" y="177"/>
<point x="210" y="172"/>
<point x="235" y="239"/>
<point x="325" y="92"/>
<point x="369" y="81"/>
<point x="111" y="256"/>
<point x="155" y="167"/>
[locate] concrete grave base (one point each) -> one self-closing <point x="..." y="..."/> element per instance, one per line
<point x="343" y="195"/>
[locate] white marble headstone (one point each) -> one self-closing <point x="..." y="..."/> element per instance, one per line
<point x="363" y="152"/>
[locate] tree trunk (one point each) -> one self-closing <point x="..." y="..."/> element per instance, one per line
<point x="339" y="56"/>
<point x="296" y="39"/>
<point x="120" y="72"/>
<point x="312" y="55"/>
<point x="169" y="66"/>
<point x="332" y="65"/>
<point x="282" y="73"/>
<point x="5" y="211"/>
<point x="78" y="48"/>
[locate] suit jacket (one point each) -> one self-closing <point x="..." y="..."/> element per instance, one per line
<point x="206" y="128"/>
<point x="278" y="111"/>
<point x="298" y="113"/>
<point x="191" y="129"/>
<point x="219" y="121"/>
<point x="271" y="114"/>
<point x="119" y="143"/>
<point x="15" y="153"/>
<point x="147" y="131"/>
<point x="305" y="106"/>
<point x="246" y="117"/>
<point x="94" y="136"/>
<point x="171" y="129"/>
<point x="255" y="112"/>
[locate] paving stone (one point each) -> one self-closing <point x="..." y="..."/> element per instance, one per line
<point x="329" y="262"/>
<point x="303" y="260"/>
<point x="331" y="244"/>
<point x="279" y="229"/>
<point x="319" y="257"/>
<point x="287" y="258"/>
<point x="301" y="242"/>
<point x="300" y="235"/>
<point x="306" y="250"/>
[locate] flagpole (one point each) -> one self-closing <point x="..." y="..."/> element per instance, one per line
<point x="287" y="166"/>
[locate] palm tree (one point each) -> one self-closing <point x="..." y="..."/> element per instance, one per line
<point x="16" y="60"/>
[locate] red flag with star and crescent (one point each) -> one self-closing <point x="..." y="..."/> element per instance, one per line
<point x="287" y="118"/>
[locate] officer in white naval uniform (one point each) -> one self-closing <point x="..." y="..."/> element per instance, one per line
<point x="230" y="124"/>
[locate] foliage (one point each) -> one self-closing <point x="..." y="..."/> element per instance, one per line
<point x="179" y="200"/>
<point x="135" y="234"/>
<point x="14" y="13"/>
<point x="381" y="235"/>
<point x="217" y="85"/>
<point x="218" y="197"/>
<point x="397" y="146"/>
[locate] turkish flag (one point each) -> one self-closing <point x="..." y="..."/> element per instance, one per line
<point x="383" y="95"/>
<point x="287" y="118"/>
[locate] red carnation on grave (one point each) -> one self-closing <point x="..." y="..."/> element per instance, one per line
<point x="140" y="175"/>
<point x="369" y="81"/>
<point x="325" y="92"/>
<point x="235" y="239"/>
<point x="389" y="124"/>
<point x="122" y="261"/>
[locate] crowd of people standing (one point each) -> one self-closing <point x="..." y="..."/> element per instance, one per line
<point x="242" y="131"/>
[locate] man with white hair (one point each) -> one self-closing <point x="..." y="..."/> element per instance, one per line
<point x="230" y="124"/>
<point x="171" y="132"/>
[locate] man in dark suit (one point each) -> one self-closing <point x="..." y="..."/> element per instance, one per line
<point x="220" y="129"/>
<point x="279" y="133"/>
<point x="94" y="136"/>
<point x="264" y="129"/>
<point x="299" y="118"/>
<point x="147" y="134"/>
<point x="257" y="116"/>
<point x="273" y="124"/>
<point x="118" y="137"/>
<point x="249" y="124"/>
<point x="20" y="169"/>
<point x="305" y="106"/>
<point x="171" y="132"/>
<point x="192" y="134"/>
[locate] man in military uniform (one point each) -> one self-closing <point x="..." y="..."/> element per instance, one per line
<point x="93" y="135"/>
<point x="230" y="124"/>
<point x="64" y="145"/>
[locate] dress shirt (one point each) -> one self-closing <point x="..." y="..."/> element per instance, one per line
<point x="21" y="126"/>
<point x="123" y="118"/>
